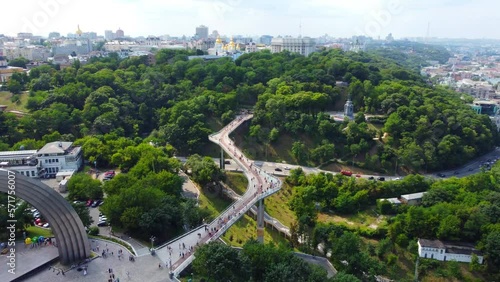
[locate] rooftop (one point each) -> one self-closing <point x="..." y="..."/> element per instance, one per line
<point x="392" y="200"/>
<point x="414" y="196"/>
<point x="431" y="243"/>
<point x="17" y="154"/>
<point x="57" y="147"/>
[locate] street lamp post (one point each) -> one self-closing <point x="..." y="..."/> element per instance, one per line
<point x="153" y="238"/>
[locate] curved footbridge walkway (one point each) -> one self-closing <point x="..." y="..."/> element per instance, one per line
<point x="178" y="253"/>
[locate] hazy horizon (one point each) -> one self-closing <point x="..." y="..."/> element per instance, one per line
<point x="454" y="19"/>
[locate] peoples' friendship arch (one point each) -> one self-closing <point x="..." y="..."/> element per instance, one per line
<point x="68" y="229"/>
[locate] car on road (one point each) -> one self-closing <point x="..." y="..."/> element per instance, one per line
<point x="358" y="175"/>
<point x="278" y="169"/>
<point x="441" y="175"/>
<point x="346" y="172"/>
<point x="397" y="178"/>
<point x="381" y="178"/>
<point x="371" y="178"/>
<point x="287" y="168"/>
<point x="227" y="162"/>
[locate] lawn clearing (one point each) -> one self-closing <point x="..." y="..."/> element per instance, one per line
<point x="237" y="181"/>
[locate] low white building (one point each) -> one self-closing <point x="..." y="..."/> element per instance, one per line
<point x="23" y="162"/>
<point x="394" y="201"/>
<point x="438" y="250"/>
<point x="57" y="156"/>
<point x="412" y="199"/>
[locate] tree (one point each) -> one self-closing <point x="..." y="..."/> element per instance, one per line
<point x="385" y="207"/>
<point x="203" y="170"/>
<point x="299" y="151"/>
<point x="14" y="86"/>
<point x="82" y="186"/>
<point x="19" y="62"/>
<point x="84" y="213"/>
<point x="492" y="249"/>
<point x="345" y="277"/>
<point x="449" y="228"/>
<point x="220" y="262"/>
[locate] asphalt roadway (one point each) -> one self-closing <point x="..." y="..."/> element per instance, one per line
<point x="283" y="169"/>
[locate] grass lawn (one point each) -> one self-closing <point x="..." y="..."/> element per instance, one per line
<point x="246" y="229"/>
<point x="33" y="231"/>
<point x="237" y="181"/>
<point x="362" y="219"/>
<point x="277" y="205"/>
<point x="5" y="99"/>
<point x="213" y="203"/>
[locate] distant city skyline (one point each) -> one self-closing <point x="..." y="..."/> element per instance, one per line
<point x="375" y="18"/>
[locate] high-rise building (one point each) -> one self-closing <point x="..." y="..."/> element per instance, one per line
<point x="53" y="35"/>
<point x="109" y="35"/>
<point x="202" y="32"/>
<point x="266" y="39"/>
<point x="120" y="33"/>
<point x="303" y="46"/>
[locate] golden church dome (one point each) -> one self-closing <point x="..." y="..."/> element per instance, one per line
<point x="79" y="31"/>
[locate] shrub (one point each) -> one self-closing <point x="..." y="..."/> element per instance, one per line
<point x="94" y="230"/>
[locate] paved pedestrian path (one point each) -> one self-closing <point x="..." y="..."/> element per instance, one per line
<point x="178" y="253"/>
<point x="108" y="256"/>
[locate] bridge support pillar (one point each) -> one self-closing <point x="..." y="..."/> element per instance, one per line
<point x="221" y="160"/>
<point x="260" y="221"/>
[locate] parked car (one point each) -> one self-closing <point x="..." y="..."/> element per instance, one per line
<point x="371" y="178"/>
<point x="278" y="169"/>
<point x="227" y="162"/>
<point x="358" y="175"/>
<point x="441" y="175"/>
<point x="89" y="203"/>
<point x="46" y="225"/>
<point x="110" y="172"/>
<point x="381" y="178"/>
<point x="96" y="203"/>
<point x="108" y="176"/>
<point x="102" y="223"/>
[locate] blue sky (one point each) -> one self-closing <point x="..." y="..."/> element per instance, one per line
<point x="402" y="18"/>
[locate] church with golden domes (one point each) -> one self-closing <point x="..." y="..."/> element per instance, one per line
<point x="221" y="49"/>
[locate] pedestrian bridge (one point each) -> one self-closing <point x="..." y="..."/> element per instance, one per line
<point x="178" y="253"/>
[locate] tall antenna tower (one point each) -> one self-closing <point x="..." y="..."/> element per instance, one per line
<point x="300" y="29"/>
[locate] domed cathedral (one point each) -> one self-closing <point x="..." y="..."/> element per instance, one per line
<point x="219" y="46"/>
<point x="79" y="31"/>
<point x="231" y="47"/>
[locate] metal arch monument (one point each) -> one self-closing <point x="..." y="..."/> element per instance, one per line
<point x="72" y="241"/>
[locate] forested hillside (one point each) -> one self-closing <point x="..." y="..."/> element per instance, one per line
<point x="178" y="101"/>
